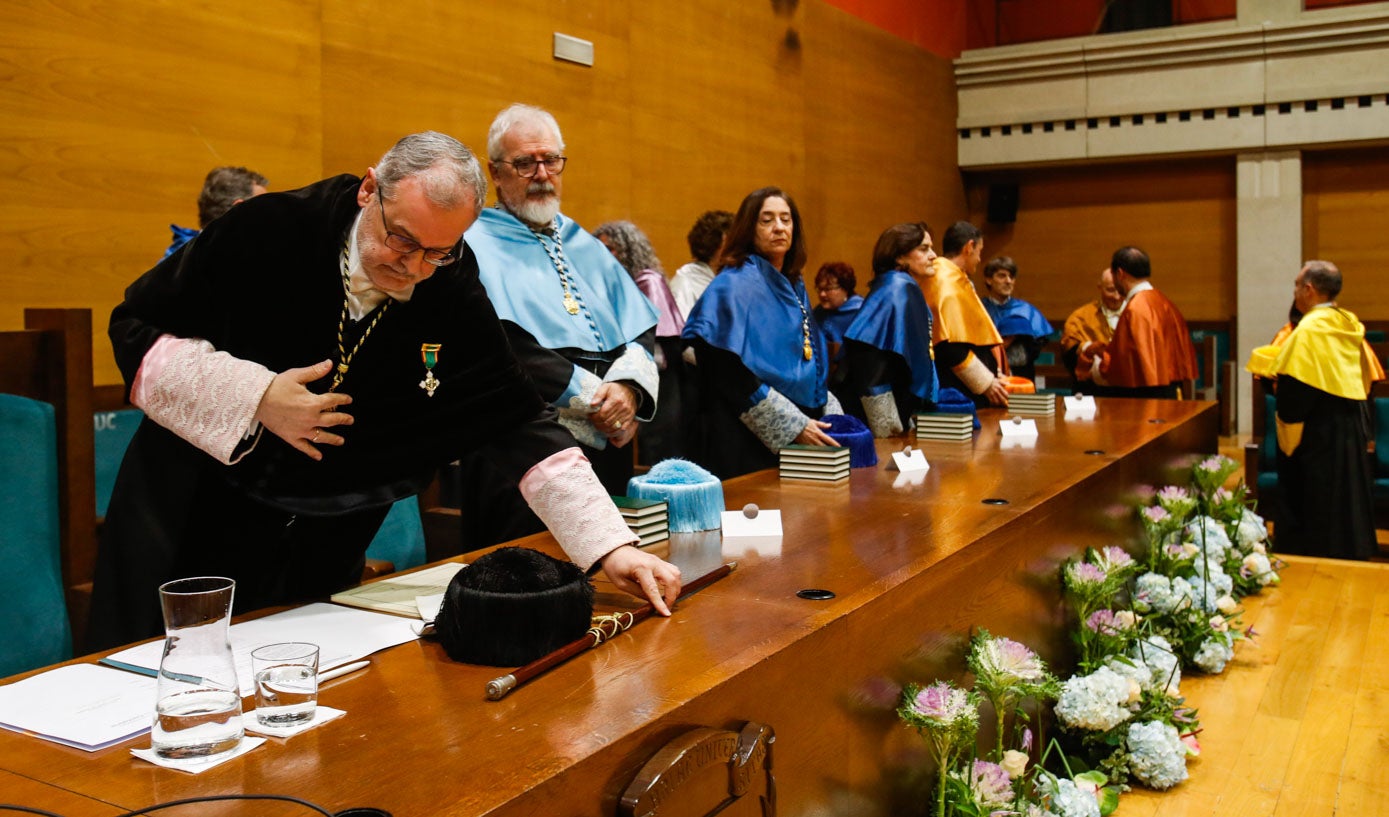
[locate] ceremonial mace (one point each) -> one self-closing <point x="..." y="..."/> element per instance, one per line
<point x="606" y="627"/>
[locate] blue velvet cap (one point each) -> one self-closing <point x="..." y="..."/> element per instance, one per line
<point x="694" y="497"/>
<point x="954" y="401"/>
<point x="852" y="433"/>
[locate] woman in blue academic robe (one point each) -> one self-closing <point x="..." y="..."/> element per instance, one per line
<point x="760" y="356"/>
<point x="888" y="346"/>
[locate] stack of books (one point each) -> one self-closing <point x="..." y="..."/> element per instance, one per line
<point x="1034" y="404"/>
<point x="649" y="519"/>
<point x="949" y="427"/>
<point x="818" y="462"/>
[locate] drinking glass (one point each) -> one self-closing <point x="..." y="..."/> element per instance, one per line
<point x="286" y="683"/>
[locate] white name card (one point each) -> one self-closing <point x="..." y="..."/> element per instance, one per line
<point x="1080" y="406"/>
<point x="909" y="479"/>
<point x="758" y="534"/>
<point x="1017" y="427"/>
<point x="909" y="460"/>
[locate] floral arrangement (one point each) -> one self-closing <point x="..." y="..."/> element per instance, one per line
<point x="1139" y="622"/>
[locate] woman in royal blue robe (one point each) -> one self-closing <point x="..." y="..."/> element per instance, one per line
<point x="888" y="347"/>
<point x="760" y="355"/>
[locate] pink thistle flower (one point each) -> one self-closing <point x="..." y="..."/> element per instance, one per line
<point x="1115" y="557"/>
<point x="990" y="784"/>
<point x="1086" y="573"/>
<point x="1104" y="622"/>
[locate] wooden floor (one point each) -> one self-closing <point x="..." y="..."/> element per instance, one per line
<point x="1299" y="722"/>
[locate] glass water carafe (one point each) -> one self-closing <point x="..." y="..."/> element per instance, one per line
<point x="197" y="711"/>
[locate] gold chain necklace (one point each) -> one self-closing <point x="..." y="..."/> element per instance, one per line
<point x="344" y="356"/>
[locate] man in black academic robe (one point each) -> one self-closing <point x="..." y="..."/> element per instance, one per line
<point x="223" y="324"/>
<point x="1323" y="376"/>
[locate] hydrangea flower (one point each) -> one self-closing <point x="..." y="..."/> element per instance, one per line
<point x="1251" y="531"/>
<point x="1096" y="702"/>
<point x="1257" y="566"/>
<point x="1205" y="593"/>
<point x="1136" y="671"/>
<point x="1157" y="756"/>
<point x="1066" y="799"/>
<point x="1152" y="592"/>
<point x="1214" y="654"/>
<point x="1162" y="662"/>
<point x="1209" y="535"/>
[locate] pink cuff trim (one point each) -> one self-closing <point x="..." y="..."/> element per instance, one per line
<point x="206" y="397"/>
<point x="152" y="367"/>
<point x="549" y="468"/>
<point x="578" y="511"/>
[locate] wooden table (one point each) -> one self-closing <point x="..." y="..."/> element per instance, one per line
<point x="913" y="568"/>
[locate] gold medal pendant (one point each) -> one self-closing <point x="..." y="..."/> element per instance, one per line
<point x="429" y="353"/>
<point x="570" y="305"/>
<point x="807" y="350"/>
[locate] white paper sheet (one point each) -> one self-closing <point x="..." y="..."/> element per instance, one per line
<point x="342" y="634"/>
<point x="83" y="706"/>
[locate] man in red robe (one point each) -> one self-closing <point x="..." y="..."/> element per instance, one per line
<point x="1151" y="353"/>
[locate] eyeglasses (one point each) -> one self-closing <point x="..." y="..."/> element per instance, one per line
<point x="409" y="246"/>
<point x="527" y="166"/>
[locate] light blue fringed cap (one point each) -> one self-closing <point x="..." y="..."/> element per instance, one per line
<point x="694" y="497"/>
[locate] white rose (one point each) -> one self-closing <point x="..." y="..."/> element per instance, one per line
<point x="1014" y="763"/>
<point x="1218" y="624"/>
<point x="1226" y="604"/>
<point x="1125" y="619"/>
<point x="1259" y="547"/>
<point x="1190" y="549"/>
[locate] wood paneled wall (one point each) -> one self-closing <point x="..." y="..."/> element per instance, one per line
<point x="1070" y="221"/>
<point x="1345" y="220"/>
<point x="112" y="113"/>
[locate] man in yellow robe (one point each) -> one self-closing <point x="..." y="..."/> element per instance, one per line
<point x="968" y="349"/>
<point x="1151" y="353"/>
<point x="1324" y="373"/>
<point x="1092" y="323"/>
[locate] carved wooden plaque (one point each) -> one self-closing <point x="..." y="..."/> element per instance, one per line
<point x="706" y="771"/>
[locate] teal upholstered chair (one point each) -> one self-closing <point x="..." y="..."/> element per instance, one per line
<point x="33" y="614"/>
<point x="113" y="430"/>
<point x="1261" y="452"/>
<point x="1381" y="421"/>
<point x="401" y="538"/>
<point x="48" y="519"/>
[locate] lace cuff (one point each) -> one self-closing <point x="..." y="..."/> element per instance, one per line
<point x="638" y="366"/>
<point x="775" y="420"/>
<point x="974" y="374"/>
<point x="206" y="397"/>
<point x="832" y="404"/>
<point x="881" y="411"/>
<point x="576" y="404"/>
<point x="576" y="508"/>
